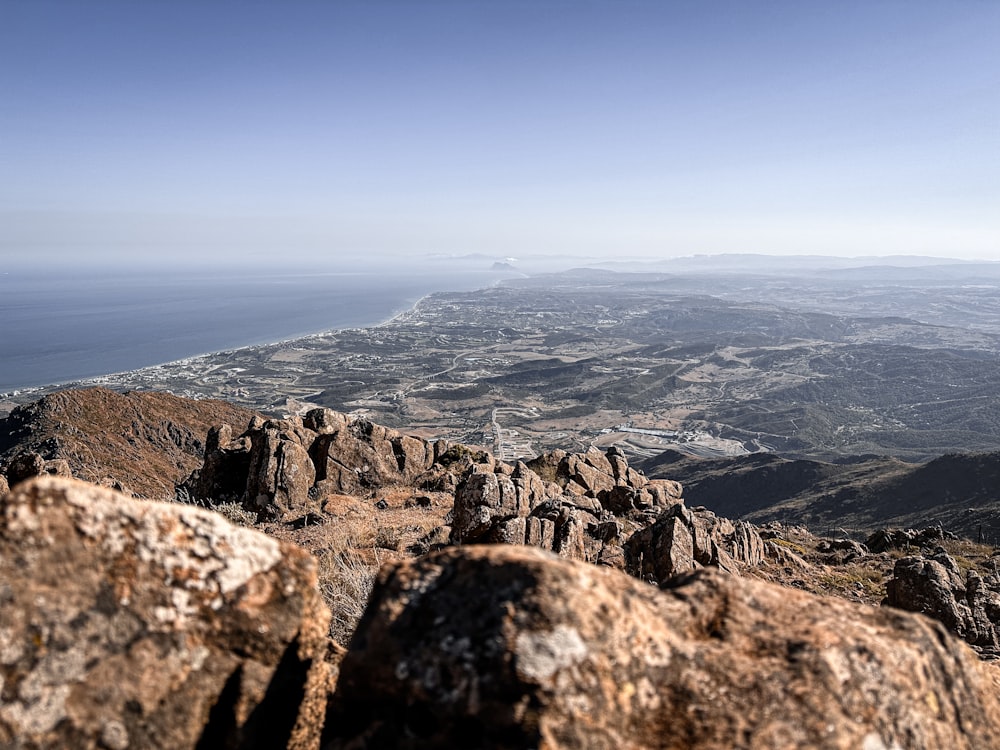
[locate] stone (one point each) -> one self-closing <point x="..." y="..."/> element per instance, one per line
<point x="512" y="647"/>
<point x="223" y="476"/>
<point x="58" y="467"/>
<point x="4" y="487"/>
<point x="483" y="499"/>
<point x="966" y="604"/>
<point x="592" y="473"/>
<point x="885" y="540"/>
<point x="359" y="456"/>
<point x="281" y="472"/>
<point x="24" y="466"/>
<point x="324" y="421"/>
<point x="682" y="540"/>
<point x="661" y="552"/>
<point x="128" y="623"/>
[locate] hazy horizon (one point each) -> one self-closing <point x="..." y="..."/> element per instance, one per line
<point x="322" y="133"/>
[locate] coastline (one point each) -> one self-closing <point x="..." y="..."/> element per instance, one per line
<point x="139" y="378"/>
<point x="463" y="280"/>
<point x="121" y="378"/>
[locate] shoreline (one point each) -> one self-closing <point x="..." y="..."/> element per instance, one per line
<point x="18" y="395"/>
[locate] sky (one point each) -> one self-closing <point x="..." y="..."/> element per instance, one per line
<point x="315" y="132"/>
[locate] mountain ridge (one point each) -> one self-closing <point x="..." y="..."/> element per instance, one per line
<point x="954" y="491"/>
<point x="145" y="441"/>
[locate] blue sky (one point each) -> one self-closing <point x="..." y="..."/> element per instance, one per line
<point x="326" y="130"/>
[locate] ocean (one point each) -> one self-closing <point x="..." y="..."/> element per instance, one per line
<point x="58" y="327"/>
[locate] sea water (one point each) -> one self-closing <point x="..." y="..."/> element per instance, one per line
<point x="58" y="327"/>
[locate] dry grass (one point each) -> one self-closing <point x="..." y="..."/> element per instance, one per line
<point x="356" y="538"/>
<point x="863" y="582"/>
<point x="795" y="547"/>
<point x="346" y="580"/>
<point x="236" y="514"/>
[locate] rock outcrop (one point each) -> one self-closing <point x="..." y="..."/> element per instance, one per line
<point x="30" y="464"/>
<point x="966" y="603"/>
<point x="128" y="623"/>
<point x="594" y="507"/>
<point x="280" y="473"/>
<point x="283" y="468"/>
<point x="885" y="540"/>
<point x="512" y="647"/>
<point x="682" y="540"/>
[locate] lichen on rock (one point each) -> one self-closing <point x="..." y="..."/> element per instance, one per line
<point x="129" y="623"/>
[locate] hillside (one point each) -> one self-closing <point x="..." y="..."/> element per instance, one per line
<point x="147" y="442"/>
<point x="957" y="491"/>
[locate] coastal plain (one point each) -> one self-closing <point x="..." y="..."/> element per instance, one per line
<point x="815" y="362"/>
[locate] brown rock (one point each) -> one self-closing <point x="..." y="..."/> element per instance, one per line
<point x="482" y="500"/>
<point x="281" y="471"/>
<point x="360" y="456"/>
<point x="509" y="647"/>
<point x="223" y="477"/>
<point x="324" y="421"/>
<point x="131" y="623"/>
<point x="4" y="487"/>
<point x="663" y="492"/>
<point x="592" y="473"/>
<point x="936" y="587"/>
<point x="683" y="540"/>
<point x="24" y="466"/>
<point x="58" y="467"/>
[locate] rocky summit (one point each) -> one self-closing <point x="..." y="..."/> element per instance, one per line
<point x="506" y="647"/>
<point x="568" y="601"/>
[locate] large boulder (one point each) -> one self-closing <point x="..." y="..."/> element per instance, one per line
<point x="579" y="505"/>
<point x="281" y="471"/>
<point x="605" y="476"/>
<point x="885" y="540"/>
<point x="522" y="508"/>
<point x="510" y="647"/>
<point x="965" y="603"/>
<point x="24" y="466"/>
<point x="223" y="476"/>
<point x="682" y="540"/>
<point x="128" y="623"/>
<point x="356" y="456"/>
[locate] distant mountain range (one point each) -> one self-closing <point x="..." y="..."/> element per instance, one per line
<point x="958" y="492"/>
<point x="753" y="263"/>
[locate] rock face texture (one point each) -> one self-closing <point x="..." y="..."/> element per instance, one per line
<point x="283" y="468"/>
<point x="281" y="472"/>
<point x="147" y="442"/>
<point x="884" y="540"/>
<point x="683" y="540"/>
<point x="594" y="507"/>
<point x="966" y="603"/>
<point x="567" y="503"/>
<point x="128" y="623"/>
<point x="30" y="464"/>
<point x="508" y="647"/>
